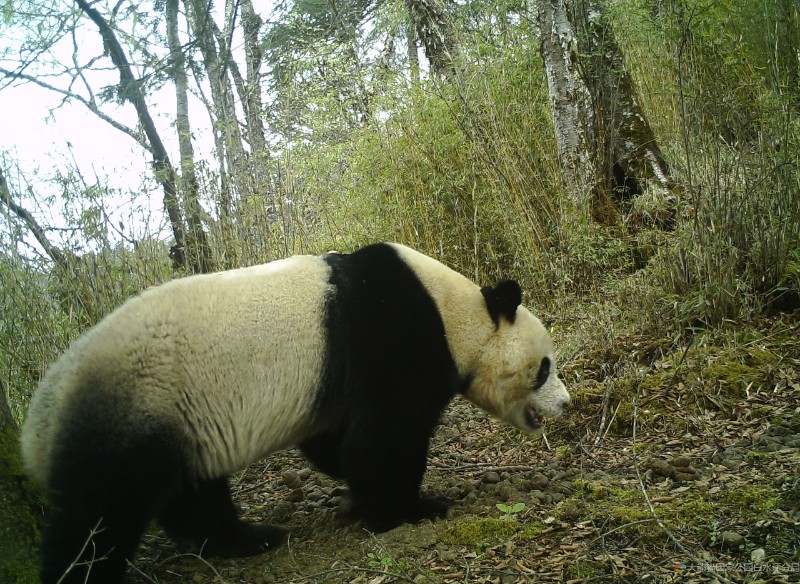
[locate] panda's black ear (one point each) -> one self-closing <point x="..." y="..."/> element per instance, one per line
<point x="502" y="300"/>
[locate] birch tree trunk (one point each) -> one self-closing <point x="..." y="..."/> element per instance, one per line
<point x="605" y="143"/>
<point x="198" y="242"/>
<point x="254" y="57"/>
<point x="229" y="139"/>
<point x="570" y="106"/>
<point x="162" y="167"/>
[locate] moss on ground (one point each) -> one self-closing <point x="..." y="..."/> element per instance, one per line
<point x="694" y="513"/>
<point x="486" y="531"/>
<point x="20" y="505"/>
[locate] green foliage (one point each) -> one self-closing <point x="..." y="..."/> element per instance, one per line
<point x="696" y="514"/>
<point x="44" y="311"/>
<point x="510" y="511"/>
<point x="724" y="95"/>
<point x="464" y="175"/>
<point x="752" y="503"/>
<point x="736" y="251"/>
<point x="465" y="169"/>
<point x="380" y="561"/>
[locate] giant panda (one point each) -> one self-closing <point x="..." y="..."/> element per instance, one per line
<point x="351" y="357"/>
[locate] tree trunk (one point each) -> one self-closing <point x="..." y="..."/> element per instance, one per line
<point x="162" y="167"/>
<point x="254" y="56"/>
<point x="196" y="235"/>
<point x="571" y="107"/>
<point x="605" y="142"/>
<point x="411" y="47"/>
<point x="216" y="66"/>
<point x="435" y="32"/>
<point x="628" y="153"/>
<point x="7" y="421"/>
<point x="20" y="505"/>
<point x="348" y="34"/>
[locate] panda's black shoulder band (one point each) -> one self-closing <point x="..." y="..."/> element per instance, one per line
<point x="502" y="300"/>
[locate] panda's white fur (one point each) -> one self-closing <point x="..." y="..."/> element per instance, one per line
<point x="352" y="357"/>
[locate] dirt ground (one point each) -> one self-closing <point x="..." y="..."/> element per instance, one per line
<point x="679" y="462"/>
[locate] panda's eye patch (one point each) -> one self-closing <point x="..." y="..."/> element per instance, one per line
<point x="544" y="373"/>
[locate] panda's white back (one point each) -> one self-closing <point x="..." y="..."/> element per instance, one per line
<point x="183" y="345"/>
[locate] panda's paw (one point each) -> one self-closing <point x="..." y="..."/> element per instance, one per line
<point x="248" y="539"/>
<point x="433" y="507"/>
<point x="388" y="517"/>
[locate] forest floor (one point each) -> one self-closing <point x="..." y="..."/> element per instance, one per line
<point x="678" y="462"/>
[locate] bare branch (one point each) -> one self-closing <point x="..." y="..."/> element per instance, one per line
<point x="90" y="105"/>
<point x="162" y="167"/>
<point x="38" y="232"/>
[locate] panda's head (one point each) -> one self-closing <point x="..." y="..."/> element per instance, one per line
<point x="514" y="375"/>
<point x="504" y="356"/>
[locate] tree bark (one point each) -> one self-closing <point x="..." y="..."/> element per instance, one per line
<point x="20" y="505"/>
<point x="627" y="148"/>
<point x="226" y="123"/>
<point x="570" y="105"/>
<point x="605" y="143"/>
<point x="411" y="47"/>
<point x="7" y="421"/>
<point x="254" y="57"/>
<point x="197" y="242"/>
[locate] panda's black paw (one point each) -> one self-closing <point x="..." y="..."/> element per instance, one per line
<point x="248" y="539"/>
<point x="387" y="518"/>
<point x="433" y="507"/>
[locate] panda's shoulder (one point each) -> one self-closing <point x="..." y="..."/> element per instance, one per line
<point x="437" y="277"/>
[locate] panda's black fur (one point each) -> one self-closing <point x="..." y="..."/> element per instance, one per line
<point x="384" y="364"/>
<point x="390" y="373"/>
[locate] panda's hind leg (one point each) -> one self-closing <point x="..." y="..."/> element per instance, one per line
<point x="79" y="546"/>
<point x="202" y="519"/>
<point x="103" y="490"/>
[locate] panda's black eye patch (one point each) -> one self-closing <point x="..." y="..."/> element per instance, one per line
<point x="544" y="373"/>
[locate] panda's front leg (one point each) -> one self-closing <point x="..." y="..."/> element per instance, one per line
<point x="383" y="461"/>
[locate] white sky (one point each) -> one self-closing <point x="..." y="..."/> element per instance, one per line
<point x="35" y="136"/>
<point x="39" y="143"/>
